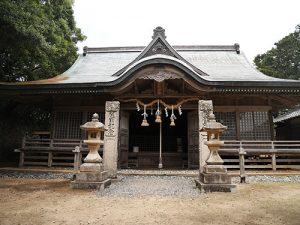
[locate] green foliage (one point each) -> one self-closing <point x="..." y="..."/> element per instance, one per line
<point x="37" y="39"/>
<point x="282" y="61"/>
<point x="17" y="119"/>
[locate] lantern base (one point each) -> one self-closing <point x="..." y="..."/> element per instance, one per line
<point x="215" y="187"/>
<point x="214" y="178"/>
<point x="91" y="176"/>
<point x="90" y="185"/>
<point x="91" y="167"/>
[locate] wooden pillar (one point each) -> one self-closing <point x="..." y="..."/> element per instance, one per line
<point x="273" y="161"/>
<point x="50" y="154"/>
<point x="21" y="162"/>
<point x="50" y="159"/>
<point x="242" y="164"/>
<point x="273" y="156"/>
<point x="237" y="124"/>
<point x="53" y="124"/>
<point x="77" y="158"/>
<point x="272" y="130"/>
<point x="22" y="154"/>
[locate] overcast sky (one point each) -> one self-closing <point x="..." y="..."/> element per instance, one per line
<point x="255" y="24"/>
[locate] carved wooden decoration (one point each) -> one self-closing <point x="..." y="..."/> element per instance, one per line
<point x="159" y="75"/>
<point x="159" y="48"/>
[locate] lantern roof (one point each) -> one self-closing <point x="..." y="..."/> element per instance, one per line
<point x="94" y="124"/>
<point x="213" y="125"/>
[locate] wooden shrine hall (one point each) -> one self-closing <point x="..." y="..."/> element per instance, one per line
<point x="150" y="100"/>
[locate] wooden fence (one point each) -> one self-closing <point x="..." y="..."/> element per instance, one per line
<point x="258" y="154"/>
<point x="262" y="154"/>
<point x="49" y="152"/>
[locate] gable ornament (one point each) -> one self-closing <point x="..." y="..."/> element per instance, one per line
<point x="159" y="75"/>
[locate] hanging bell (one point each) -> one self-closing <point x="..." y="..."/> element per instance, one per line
<point x="145" y="123"/>
<point x="172" y="122"/>
<point x="158" y="119"/>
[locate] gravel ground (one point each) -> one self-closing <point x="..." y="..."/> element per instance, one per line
<point x="184" y="174"/>
<point x="182" y="185"/>
<point x="139" y="186"/>
<point x="35" y="175"/>
<point x="267" y="178"/>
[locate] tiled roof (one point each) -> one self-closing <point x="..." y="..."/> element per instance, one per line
<point x="288" y="115"/>
<point x="221" y="63"/>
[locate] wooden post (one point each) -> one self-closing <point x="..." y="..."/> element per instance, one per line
<point x="237" y="125"/>
<point x="51" y="143"/>
<point x="273" y="157"/>
<point x="272" y="129"/>
<point x="23" y="141"/>
<point x="22" y="154"/>
<point x="77" y="158"/>
<point x="21" y="162"/>
<point x="273" y="161"/>
<point x="50" y="159"/>
<point x="50" y="154"/>
<point x="242" y="164"/>
<point x="80" y="154"/>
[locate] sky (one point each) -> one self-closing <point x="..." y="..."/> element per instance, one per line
<point x="255" y="24"/>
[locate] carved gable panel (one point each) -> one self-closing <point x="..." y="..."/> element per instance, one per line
<point x="159" y="73"/>
<point x="159" y="48"/>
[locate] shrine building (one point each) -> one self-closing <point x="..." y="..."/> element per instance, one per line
<point x="150" y="99"/>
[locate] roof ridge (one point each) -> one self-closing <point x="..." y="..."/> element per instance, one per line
<point x="234" y="47"/>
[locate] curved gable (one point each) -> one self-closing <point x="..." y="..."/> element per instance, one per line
<point x="130" y="73"/>
<point x="159" y="46"/>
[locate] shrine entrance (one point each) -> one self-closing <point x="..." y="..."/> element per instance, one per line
<point x="139" y="146"/>
<point x="164" y="91"/>
<point x="144" y="142"/>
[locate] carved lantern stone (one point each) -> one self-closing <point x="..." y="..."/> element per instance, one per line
<point x="214" y="176"/>
<point x="214" y="130"/>
<point x="94" y="129"/>
<point x="92" y="173"/>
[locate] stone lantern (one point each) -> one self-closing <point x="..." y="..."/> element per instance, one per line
<point x="214" y="176"/>
<point x="94" y="130"/>
<point x="92" y="174"/>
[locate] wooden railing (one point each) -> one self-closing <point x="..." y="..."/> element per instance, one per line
<point x="262" y="154"/>
<point x="259" y="154"/>
<point x="49" y="152"/>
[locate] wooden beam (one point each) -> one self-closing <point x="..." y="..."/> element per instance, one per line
<point x="271" y="125"/>
<point x="286" y="100"/>
<point x="242" y="108"/>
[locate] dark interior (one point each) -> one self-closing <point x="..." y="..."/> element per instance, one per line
<point x="174" y="139"/>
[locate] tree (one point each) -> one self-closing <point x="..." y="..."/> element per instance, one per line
<point x="282" y="61"/>
<point x="37" y="41"/>
<point x="37" y="38"/>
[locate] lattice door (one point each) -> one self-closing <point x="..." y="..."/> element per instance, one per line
<point x="67" y="125"/>
<point x="228" y="119"/>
